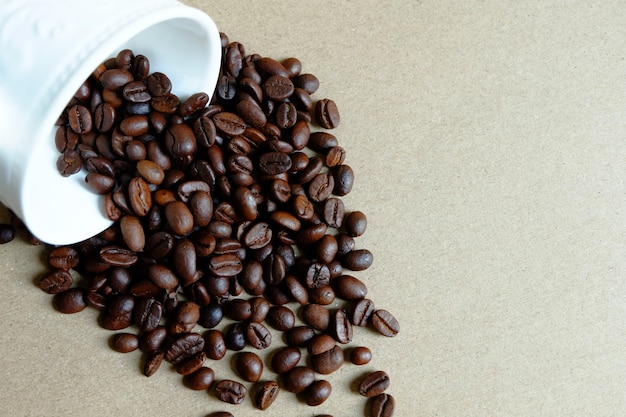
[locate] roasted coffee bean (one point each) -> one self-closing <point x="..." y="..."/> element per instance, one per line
<point x="342" y="328"/>
<point x="321" y="187"/>
<point x="214" y="344"/>
<point x="382" y="405"/>
<point x="327" y="114"/>
<point x="259" y="307"/>
<point x="114" y="79"/>
<point x="258" y="336"/>
<point x="162" y="276"/>
<point x="281" y="318"/>
<point x="328" y="362"/>
<point x="56" y="281"/>
<point x="326" y="249"/>
<point x="184" y="346"/>
<point x="299" y="336"/>
<point x="186" y="312"/>
<point x="296" y="290"/>
<point x="139" y="196"/>
<point x="336" y="156"/>
<point x="191" y="364"/>
<point x="251" y="113"/>
<point x="227" y="265"/>
<point x="99" y="183"/>
<point x="229" y="123"/>
<point x="324" y="295"/>
<point x="360" y="355"/>
<point x="385" y="323"/>
<point x="308" y="82"/>
<point x="80" y="119"/>
<point x="140" y="68"/>
<point x="274" y="163"/>
<point x="317" y="393"/>
<point x="343" y="176"/>
<point x="348" y="287"/>
<point x="158" y="84"/>
<point x="317" y="275"/>
<point x="70" y="301"/>
<point x="230" y="391"/>
<point x="136" y="92"/>
<point x="320" y="344"/>
<point x="153" y="362"/>
<point x="298" y="379"/>
<point x="7" y="233"/>
<point x="334" y="212"/>
<point x="362" y="312"/>
<point x="286" y="115"/>
<point x="69" y="163"/>
<point x="199" y="380"/>
<point x="124" y="59"/>
<point x="117" y="256"/>
<point x="316" y="316"/>
<point x="63" y="257"/>
<point x="179" y="217"/>
<point x="147" y="313"/>
<point x="235" y="336"/>
<point x="269" y="67"/>
<point x="355" y="223"/>
<point x="278" y="87"/>
<point x="151" y="340"/>
<point x="373" y="384"/>
<point x="322" y="141"/>
<point x="249" y="366"/>
<point x="285" y="359"/>
<point x="345" y="243"/>
<point x="265" y="395"/>
<point x="193" y="104"/>
<point x="358" y="259"/>
<point x="124" y="342"/>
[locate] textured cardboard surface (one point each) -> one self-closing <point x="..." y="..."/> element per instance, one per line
<point x="488" y="142"/>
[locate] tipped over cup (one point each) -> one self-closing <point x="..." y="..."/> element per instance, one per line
<point x="47" y="50"/>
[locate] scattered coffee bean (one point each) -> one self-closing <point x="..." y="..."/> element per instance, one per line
<point x="230" y="391"/>
<point x="266" y="394"/>
<point x="374" y="383"/>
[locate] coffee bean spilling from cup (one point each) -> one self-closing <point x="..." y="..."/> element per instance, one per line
<point x="228" y="224"/>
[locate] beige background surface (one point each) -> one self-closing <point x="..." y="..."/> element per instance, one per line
<point x="489" y="143"/>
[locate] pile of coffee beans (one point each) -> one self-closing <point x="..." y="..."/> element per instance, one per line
<point x="229" y="228"/>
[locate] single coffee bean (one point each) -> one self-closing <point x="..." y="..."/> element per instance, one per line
<point x="147" y="313"/>
<point x="56" y="281"/>
<point x="266" y="394"/>
<point x="281" y="318"/>
<point x="249" y="366"/>
<point x="80" y="119"/>
<point x="317" y="393"/>
<point x="362" y="312"/>
<point x="316" y="316"/>
<point x="162" y="276"/>
<point x="63" y="257"/>
<point x="70" y="301"/>
<point x="214" y="344"/>
<point x="296" y="290"/>
<point x="179" y="217"/>
<point x="299" y="336"/>
<point x="199" y="380"/>
<point x="69" y="163"/>
<point x="343" y="176"/>
<point x="348" y="287"/>
<point x="385" y="323"/>
<point x="323" y="295"/>
<point x="355" y="223"/>
<point x="153" y="362"/>
<point x="114" y="79"/>
<point x="382" y="405"/>
<point x="326" y="249"/>
<point x="360" y="355"/>
<point x="139" y="196"/>
<point x="328" y="362"/>
<point x="133" y="233"/>
<point x="322" y="141"/>
<point x="321" y="187"/>
<point x="358" y="260"/>
<point x="336" y="156"/>
<point x="7" y="233"/>
<point x="327" y="114"/>
<point x="117" y="256"/>
<point x="274" y="163"/>
<point x="320" y="344"/>
<point x="298" y="379"/>
<point x="158" y="84"/>
<point x="235" y="336"/>
<point x="194" y="103"/>
<point x="308" y="82"/>
<point x="229" y="123"/>
<point x="227" y="265"/>
<point x="151" y="340"/>
<point x="317" y="275"/>
<point x="278" y="87"/>
<point x="251" y="113"/>
<point x="373" y="384"/>
<point x="285" y="359"/>
<point x="191" y="364"/>
<point x="124" y="342"/>
<point x="258" y="335"/>
<point x="184" y="346"/>
<point x="230" y="391"/>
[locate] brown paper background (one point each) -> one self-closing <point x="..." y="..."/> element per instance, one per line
<point x="488" y="142"/>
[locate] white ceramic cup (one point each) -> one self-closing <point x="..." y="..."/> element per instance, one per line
<point x="48" y="48"/>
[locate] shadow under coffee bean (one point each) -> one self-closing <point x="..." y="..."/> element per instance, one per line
<point x="222" y="208"/>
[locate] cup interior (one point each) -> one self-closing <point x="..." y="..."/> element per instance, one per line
<point x="182" y="43"/>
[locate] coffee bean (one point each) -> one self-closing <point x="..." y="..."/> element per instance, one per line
<point x="298" y="379"/>
<point x="274" y="163"/>
<point x="308" y="82"/>
<point x="320" y="344"/>
<point x="147" y="313"/>
<point x="281" y="318"/>
<point x="343" y="176"/>
<point x="214" y="344"/>
<point x="299" y="336"/>
<point x="56" y="281"/>
<point x="327" y="114"/>
<point x="360" y="355"/>
<point x="158" y="84"/>
<point x="249" y="366"/>
<point x="69" y="163"/>
<point x="251" y="113"/>
<point x="199" y="380"/>
<point x="230" y="391"/>
<point x="385" y="323"/>
<point x="266" y="394"/>
<point x="358" y="260"/>
<point x="235" y="336"/>
<point x="317" y="393"/>
<point x="191" y="364"/>
<point x="179" y="217"/>
<point x="139" y="196"/>
<point x="153" y="362"/>
<point x="355" y="223"/>
<point x="348" y="287"/>
<point x="328" y="362"/>
<point x="321" y="187"/>
<point x="229" y="123"/>
<point x="193" y="104"/>
<point x="114" y="79"/>
<point x="151" y="340"/>
<point x="373" y="384"/>
<point x="184" y="346"/>
<point x="80" y="119"/>
<point x="124" y="342"/>
<point x="382" y="405"/>
<point x="316" y="316"/>
<point x="7" y="233"/>
<point x="63" y="257"/>
<point x="117" y="256"/>
<point x="162" y="277"/>
<point x="258" y="336"/>
<point x="285" y="359"/>
<point x="362" y="312"/>
<point x="322" y="141"/>
<point x="70" y="301"/>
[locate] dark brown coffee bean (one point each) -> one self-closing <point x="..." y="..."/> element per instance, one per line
<point x="180" y="142"/>
<point x="322" y="141"/>
<point x="278" y="88"/>
<point x="153" y="362"/>
<point x="136" y="92"/>
<point x="249" y="366"/>
<point x="124" y="342"/>
<point x="139" y="196"/>
<point x="308" y="82"/>
<point x="63" y="257"/>
<point x="285" y="359"/>
<point x="99" y="183"/>
<point x="230" y="391"/>
<point x="133" y="233"/>
<point x="140" y="68"/>
<point x="179" y="217"/>
<point x="69" y="163"/>
<point x="321" y="187"/>
<point x="281" y="318"/>
<point x="303" y="208"/>
<point x="70" y="301"/>
<point x="163" y="277"/>
<point x="362" y="312"/>
<point x="147" y="313"/>
<point x="373" y="384"/>
<point x="199" y="380"/>
<point x="317" y="393"/>
<point x="117" y="256"/>
<point x="385" y="323"/>
<point x="135" y="125"/>
<point x="185" y="261"/>
<point x="336" y="156"/>
<point x="348" y="287"/>
<point x="334" y="212"/>
<point x="358" y="260"/>
<point x="184" y="346"/>
<point x="191" y="364"/>
<point x="158" y="84"/>
<point x="229" y="123"/>
<point x="251" y="113"/>
<point x="298" y="379"/>
<point x="55" y="282"/>
<point x="326" y="249"/>
<point x="327" y="114"/>
<point x="214" y="344"/>
<point x="328" y="362"/>
<point x="360" y="355"/>
<point x="80" y="119"/>
<point x="265" y="395"/>
<point x="235" y="336"/>
<point x="382" y="405"/>
<point x="269" y="66"/>
<point x="274" y="163"/>
<point x="286" y="115"/>
<point x="193" y="104"/>
<point x="7" y="233"/>
<point x="205" y="131"/>
<point x="258" y="336"/>
<point x="316" y="316"/>
<point x="150" y="171"/>
<point x="151" y="340"/>
<point x="343" y="176"/>
<point x="227" y="265"/>
<point x="317" y="275"/>
<point x="342" y="328"/>
<point x="114" y="79"/>
<point x="324" y="295"/>
<point x="186" y="312"/>
<point x="299" y="336"/>
<point x="296" y="290"/>
<point x="320" y="344"/>
<point x="286" y="220"/>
